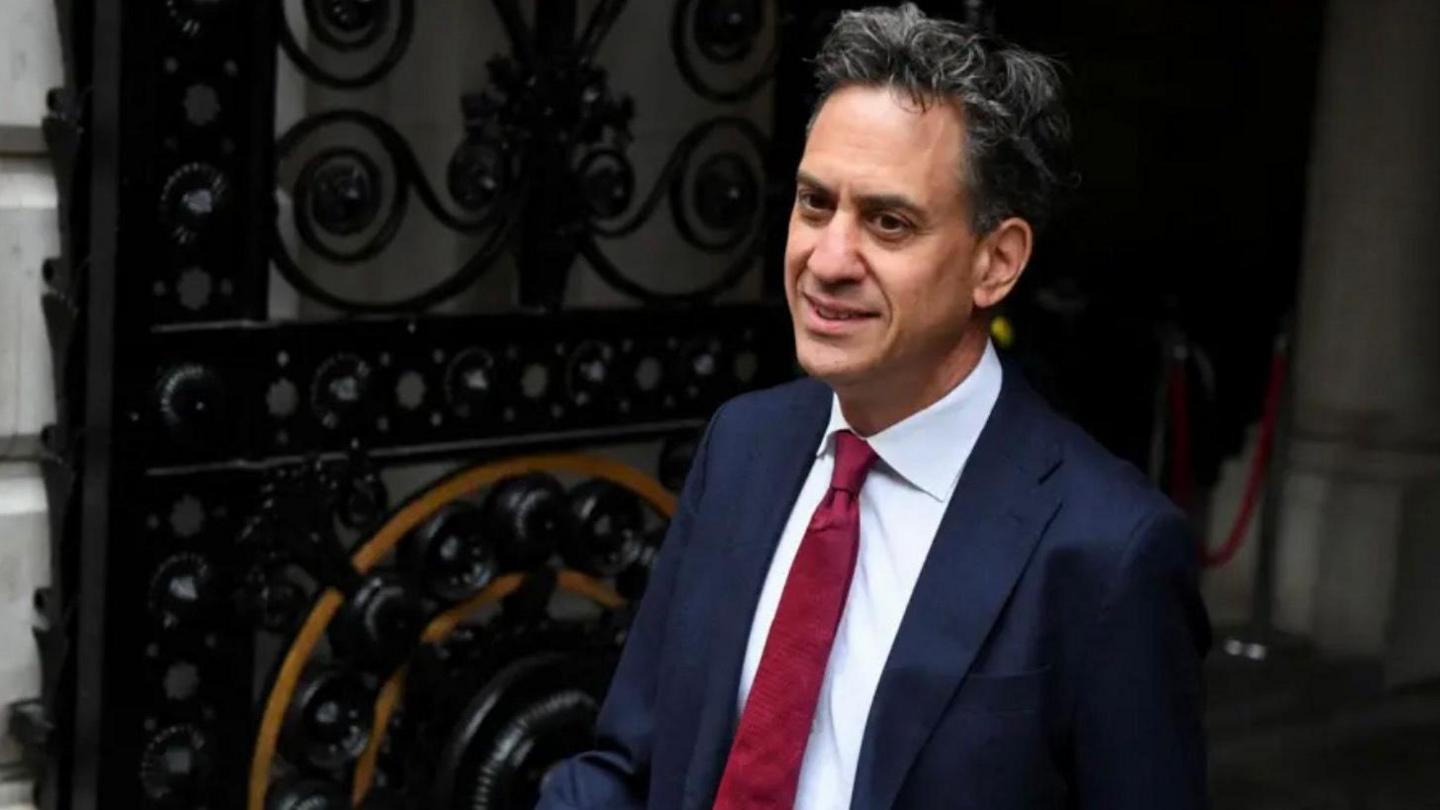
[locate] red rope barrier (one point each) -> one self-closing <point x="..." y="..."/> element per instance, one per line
<point x="1259" y="465"/>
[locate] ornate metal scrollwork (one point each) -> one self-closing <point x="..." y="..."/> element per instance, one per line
<point x="544" y="144"/>
<point x="724" y="192"/>
<point x="724" y="31"/>
<point x="348" y="27"/>
<point x="340" y="194"/>
<point x="209" y="533"/>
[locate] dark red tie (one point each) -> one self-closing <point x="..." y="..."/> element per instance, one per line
<point x="764" y="763"/>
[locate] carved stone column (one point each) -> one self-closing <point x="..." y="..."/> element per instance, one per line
<point x="1360" y="545"/>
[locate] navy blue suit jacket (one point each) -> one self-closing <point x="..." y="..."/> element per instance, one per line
<point x="1049" y="656"/>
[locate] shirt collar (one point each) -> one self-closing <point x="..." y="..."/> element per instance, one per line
<point x="912" y="447"/>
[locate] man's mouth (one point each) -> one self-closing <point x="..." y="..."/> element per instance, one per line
<point x="831" y="312"/>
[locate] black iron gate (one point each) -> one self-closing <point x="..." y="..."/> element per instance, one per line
<point x="239" y="601"/>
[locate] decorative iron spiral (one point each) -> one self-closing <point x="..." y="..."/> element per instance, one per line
<point x="724" y="31"/>
<point x="339" y="191"/>
<point x="727" y="195"/>
<point x="351" y="26"/>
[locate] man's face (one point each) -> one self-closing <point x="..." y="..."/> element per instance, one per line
<point x="878" y="266"/>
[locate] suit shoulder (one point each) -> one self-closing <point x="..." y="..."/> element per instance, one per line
<point x="1105" y="493"/>
<point x="1113" y="524"/>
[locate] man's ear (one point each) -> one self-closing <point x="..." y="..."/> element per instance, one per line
<point x="1004" y="252"/>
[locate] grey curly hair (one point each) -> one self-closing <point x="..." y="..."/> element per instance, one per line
<point x="1017" y="132"/>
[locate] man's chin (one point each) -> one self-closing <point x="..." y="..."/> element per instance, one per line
<point x="836" y="372"/>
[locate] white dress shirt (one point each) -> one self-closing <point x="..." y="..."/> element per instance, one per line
<point x="901" y="503"/>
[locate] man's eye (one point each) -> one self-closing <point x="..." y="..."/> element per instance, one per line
<point x="810" y="200"/>
<point x="891" y="225"/>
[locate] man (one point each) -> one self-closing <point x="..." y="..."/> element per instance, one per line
<point x="904" y="582"/>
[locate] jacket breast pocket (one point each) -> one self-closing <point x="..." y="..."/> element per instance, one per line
<point x="1002" y="693"/>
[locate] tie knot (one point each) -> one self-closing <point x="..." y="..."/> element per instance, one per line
<point x="853" y="459"/>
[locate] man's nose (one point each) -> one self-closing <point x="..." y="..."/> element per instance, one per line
<point x="836" y="257"/>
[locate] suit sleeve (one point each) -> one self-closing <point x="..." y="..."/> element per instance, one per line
<point x="616" y="773"/>
<point x="1139" y="741"/>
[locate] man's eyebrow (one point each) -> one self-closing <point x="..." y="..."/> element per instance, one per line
<point x="804" y="178"/>
<point x="898" y="202"/>
<point x="870" y="202"/>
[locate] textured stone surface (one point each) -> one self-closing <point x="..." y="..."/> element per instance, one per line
<point x="30" y="65"/>
<point x="24" y="562"/>
<point x="27" y="236"/>
<point x="1367" y="371"/>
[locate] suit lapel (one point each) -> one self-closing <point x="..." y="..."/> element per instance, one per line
<point x="775" y="470"/>
<point x="992" y="524"/>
